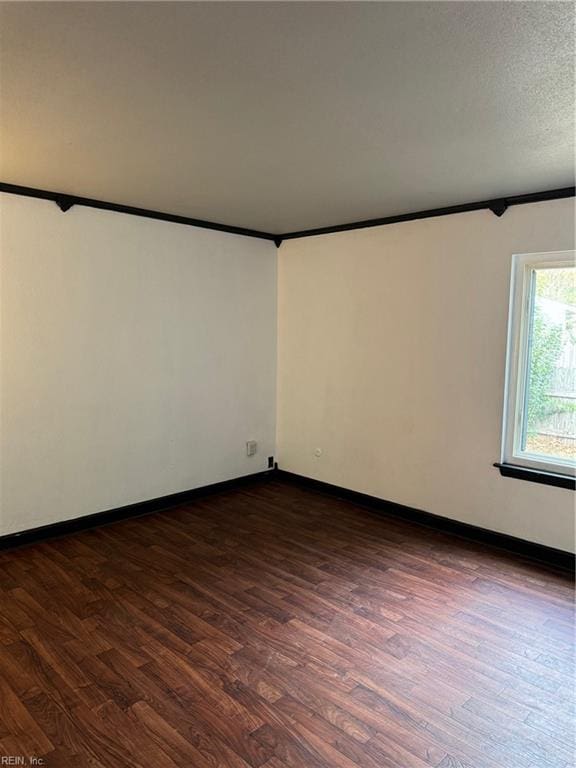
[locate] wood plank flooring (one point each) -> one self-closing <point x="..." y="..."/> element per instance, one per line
<point x="275" y="627"/>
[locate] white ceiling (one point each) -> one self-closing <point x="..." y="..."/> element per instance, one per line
<point x="285" y="116"/>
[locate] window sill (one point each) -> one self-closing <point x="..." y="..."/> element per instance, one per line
<point x="537" y="476"/>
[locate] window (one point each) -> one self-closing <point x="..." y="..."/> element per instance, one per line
<point x="540" y="398"/>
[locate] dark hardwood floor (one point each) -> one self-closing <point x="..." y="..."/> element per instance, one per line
<point x="273" y="626"/>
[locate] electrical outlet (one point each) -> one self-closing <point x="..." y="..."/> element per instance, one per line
<point x="251" y="448"/>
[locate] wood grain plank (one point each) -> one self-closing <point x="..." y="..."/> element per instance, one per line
<point x="274" y="627"/>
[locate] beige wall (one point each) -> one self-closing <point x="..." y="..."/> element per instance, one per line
<point x="391" y="356"/>
<point x="138" y="356"/>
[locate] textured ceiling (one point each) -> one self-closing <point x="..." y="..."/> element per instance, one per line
<point x="285" y="116"/>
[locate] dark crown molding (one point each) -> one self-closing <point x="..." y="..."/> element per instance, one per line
<point x="498" y="206"/>
<point x="65" y="202"/>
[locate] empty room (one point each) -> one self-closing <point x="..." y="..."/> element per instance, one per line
<point x="287" y="384"/>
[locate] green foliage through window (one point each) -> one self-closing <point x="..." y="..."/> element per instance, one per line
<point x="546" y="345"/>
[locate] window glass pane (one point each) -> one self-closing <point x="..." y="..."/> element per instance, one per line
<point x="550" y="407"/>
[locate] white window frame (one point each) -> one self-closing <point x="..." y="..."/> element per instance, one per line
<point x="520" y="312"/>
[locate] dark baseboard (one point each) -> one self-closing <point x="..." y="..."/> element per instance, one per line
<point x="556" y="558"/>
<point x="66" y="527"/>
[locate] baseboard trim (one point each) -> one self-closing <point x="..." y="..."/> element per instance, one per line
<point x="556" y="558"/>
<point x="140" y="508"/>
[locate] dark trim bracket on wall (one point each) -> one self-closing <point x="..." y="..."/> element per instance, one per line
<point x="64" y="203"/>
<point x="556" y="558"/>
<point x="536" y="476"/>
<point x="498" y="207"/>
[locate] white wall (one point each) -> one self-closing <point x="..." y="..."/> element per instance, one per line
<point x="138" y="356"/>
<point x="391" y="360"/>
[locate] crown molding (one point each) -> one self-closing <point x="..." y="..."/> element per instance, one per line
<point x="498" y="206"/>
<point x="65" y="202"/>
